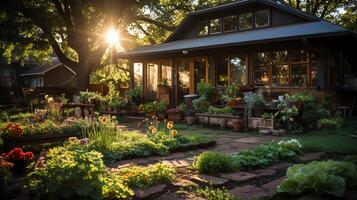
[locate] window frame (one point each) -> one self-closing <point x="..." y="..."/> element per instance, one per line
<point x="223" y="23"/>
<point x="220" y="26"/>
<point x="255" y="18"/>
<point x="208" y="28"/>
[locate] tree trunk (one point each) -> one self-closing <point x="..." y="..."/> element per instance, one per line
<point x="83" y="76"/>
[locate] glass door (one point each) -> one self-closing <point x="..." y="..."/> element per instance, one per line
<point x="152" y="70"/>
<point x="200" y="70"/>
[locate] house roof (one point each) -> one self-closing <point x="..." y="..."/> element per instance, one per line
<point x="43" y="69"/>
<point x="281" y="33"/>
<point x="273" y="3"/>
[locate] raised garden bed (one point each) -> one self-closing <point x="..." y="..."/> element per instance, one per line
<point x="10" y="142"/>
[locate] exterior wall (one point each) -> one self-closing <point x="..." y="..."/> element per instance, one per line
<point x="59" y="77"/>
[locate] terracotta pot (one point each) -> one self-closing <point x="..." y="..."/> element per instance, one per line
<point x="223" y="123"/>
<point x="237" y="125"/>
<point x="190" y="120"/>
<point x="164" y="89"/>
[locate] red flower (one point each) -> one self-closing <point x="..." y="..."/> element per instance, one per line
<point x="18" y="154"/>
<point x="29" y="155"/>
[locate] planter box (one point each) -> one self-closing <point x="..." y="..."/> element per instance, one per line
<point x="9" y="142"/>
<point x="260" y="123"/>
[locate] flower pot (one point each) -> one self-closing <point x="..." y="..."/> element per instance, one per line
<point x="164" y="89"/>
<point x="237" y="125"/>
<point x="223" y="123"/>
<point x="232" y="103"/>
<point x="190" y="120"/>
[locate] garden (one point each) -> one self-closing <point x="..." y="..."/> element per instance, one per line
<point x="291" y="148"/>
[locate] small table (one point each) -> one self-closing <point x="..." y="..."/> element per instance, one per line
<point x="82" y="106"/>
<point x="209" y="115"/>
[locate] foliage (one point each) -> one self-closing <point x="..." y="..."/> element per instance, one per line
<point x="331" y="177"/>
<point x="295" y="97"/>
<point x="268" y="115"/>
<point x="351" y="159"/>
<point x="153" y="107"/>
<point x="212" y="162"/>
<point x="112" y="74"/>
<point x="251" y="100"/>
<point x="5" y="167"/>
<point x="137" y="176"/>
<point x="230" y="93"/>
<point x="17" y="154"/>
<point x="182" y="108"/>
<point x="135" y="95"/>
<point x="75" y="174"/>
<point x="333" y="123"/>
<point x="287" y="116"/>
<point x="210" y="193"/>
<point x="261" y="156"/>
<point x="114" y="99"/>
<point x="201" y="104"/>
<point x="215" y="110"/>
<point x="88" y="97"/>
<point x="163" y="83"/>
<point x="207" y="90"/>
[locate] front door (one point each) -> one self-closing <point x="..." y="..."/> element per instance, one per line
<point x="199" y="69"/>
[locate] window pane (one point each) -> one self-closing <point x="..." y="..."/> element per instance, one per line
<point x="280" y="75"/>
<point x="203" y="28"/>
<point x="245" y="21"/>
<point x="262" y="18"/>
<point x="200" y="71"/>
<point x="183" y="86"/>
<point x="261" y="68"/>
<point x="279" y="57"/>
<point x="221" y="64"/>
<point x="215" y="26"/>
<point x="166" y="72"/>
<point x="298" y="56"/>
<point x="152" y="80"/>
<point x="298" y="75"/>
<point x="230" y="23"/>
<point x="138" y="74"/>
<point x="238" y="69"/>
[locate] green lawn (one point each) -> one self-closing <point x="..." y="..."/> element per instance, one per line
<point x="338" y="140"/>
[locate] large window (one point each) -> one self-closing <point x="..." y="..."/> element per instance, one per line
<point x="262" y="18"/>
<point x="238" y="69"/>
<point x="245" y="21"/>
<point x="199" y="65"/>
<point x="221" y="64"/>
<point x="183" y="85"/>
<point x="284" y="68"/>
<point x="203" y="28"/>
<point x="152" y="79"/>
<point x="166" y="72"/>
<point x="215" y="26"/>
<point x="138" y="74"/>
<point x="230" y="23"/>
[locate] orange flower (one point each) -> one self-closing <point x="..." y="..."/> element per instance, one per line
<point x="173" y="133"/>
<point x="169" y="125"/>
<point x="153" y="130"/>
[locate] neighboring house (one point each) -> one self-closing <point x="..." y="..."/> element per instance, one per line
<point x="261" y="44"/>
<point x="54" y="75"/>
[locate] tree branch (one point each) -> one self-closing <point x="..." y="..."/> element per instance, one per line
<point x="156" y="23"/>
<point x="152" y="41"/>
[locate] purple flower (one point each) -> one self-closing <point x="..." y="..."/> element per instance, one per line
<point x="84" y="141"/>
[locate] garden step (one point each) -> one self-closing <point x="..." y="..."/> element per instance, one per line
<point x="177" y="163"/>
<point x="150" y="192"/>
<point x="180" y="182"/>
<point x="271" y="187"/>
<point x="263" y="172"/>
<point x="248" y="192"/>
<point x="213" y="180"/>
<point x="238" y="176"/>
<point x="312" y="156"/>
<point x="281" y="166"/>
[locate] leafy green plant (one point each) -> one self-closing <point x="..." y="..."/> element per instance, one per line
<point x="75" y="174"/>
<point x="287" y="116"/>
<point x="215" y="110"/>
<point x="268" y="115"/>
<point x="251" y="100"/>
<point x="330" y="177"/>
<point x="137" y="177"/>
<point x="135" y="95"/>
<point x="153" y="107"/>
<point x="212" y="162"/>
<point x="163" y="83"/>
<point x="261" y="156"/>
<point x="207" y="90"/>
<point x="333" y="123"/>
<point x="230" y="93"/>
<point x="211" y="193"/>
<point x="88" y="97"/>
<point x="201" y="104"/>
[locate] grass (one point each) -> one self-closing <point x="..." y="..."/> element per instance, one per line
<point x="331" y="140"/>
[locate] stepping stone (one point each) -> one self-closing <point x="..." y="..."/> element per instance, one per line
<point x="281" y="166"/>
<point x="174" y="156"/>
<point x="312" y="156"/>
<point x="248" y="192"/>
<point x="272" y="186"/>
<point x="249" y="140"/>
<point x="238" y="176"/>
<point x="177" y="163"/>
<point x="180" y="182"/>
<point x="215" y="181"/>
<point x="150" y="192"/>
<point x="264" y="172"/>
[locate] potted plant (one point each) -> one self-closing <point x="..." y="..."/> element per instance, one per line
<point x="163" y="87"/>
<point x="190" y="116"/>
<point x="150" y="108"/>
<point x="161" y="108"/>
<point x="230" y="95"/>
<point x="19" y="158"/>
<point x="207" y="91"/>
<point x="135" y="96"/>
<point x="255" y="102"/>
<point x="286" y="117"/>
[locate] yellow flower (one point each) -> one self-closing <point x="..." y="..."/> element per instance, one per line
<point x="151" y="127"/>
<point x="104" y="120"/>
<point x="153" y="130"/>
<point x="170" y="125"/>
<point x="173" y="133"/>
<point x="170" y="122"/>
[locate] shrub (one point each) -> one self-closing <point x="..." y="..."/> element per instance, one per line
<point x="207" y="90"/>
<point x="75" y="174"/>
<point x="212" y="162"/>
<point x="331" y="177"/>
<point x="210" y="193"/>
<point x="333" y="123"/>
<point x="287" y="116"/>
<point x="201" y="104"/>
<point x="136" y="177"/>
<point x="230" y="93"/>
<point x="215" y="110"/>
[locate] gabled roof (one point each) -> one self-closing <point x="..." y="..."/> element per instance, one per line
<point x="273" y="3"/>
<point x="279" y="33"/>
<point x="43" y="69"/>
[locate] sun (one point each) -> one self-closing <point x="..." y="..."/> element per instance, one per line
<point x="112" y="37"/>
